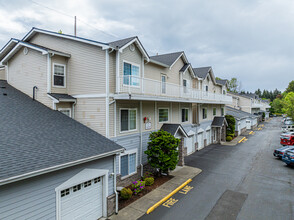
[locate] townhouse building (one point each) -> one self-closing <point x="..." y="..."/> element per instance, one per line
<point x="119" y="91"/>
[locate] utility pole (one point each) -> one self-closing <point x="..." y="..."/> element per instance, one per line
<point x="75" y="26"/>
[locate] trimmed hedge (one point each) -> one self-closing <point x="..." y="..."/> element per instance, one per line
<point x="126" y="193"/>
<point x="229" y="138"/>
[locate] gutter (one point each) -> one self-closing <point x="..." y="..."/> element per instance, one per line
<point x="114" y="184"/>
<point x="57" y="167"/>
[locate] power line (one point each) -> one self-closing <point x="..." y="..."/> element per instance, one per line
<point x="70" y="16"/>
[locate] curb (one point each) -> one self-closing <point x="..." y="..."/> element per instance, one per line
<point x="152" y="208"/>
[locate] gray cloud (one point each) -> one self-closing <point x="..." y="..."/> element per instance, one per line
<point x="250" y="40"/>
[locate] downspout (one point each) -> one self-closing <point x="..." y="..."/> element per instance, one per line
<point x="34" y="92"/>
<point x="107" y="93"/>
<point x="114" y="185"/>
<point x="141" y="139"/>
<point x="49" y="73"/>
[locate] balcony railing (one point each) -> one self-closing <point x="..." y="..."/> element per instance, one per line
<point x="144" y="86"/>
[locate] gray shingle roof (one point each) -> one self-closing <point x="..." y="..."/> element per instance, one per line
<point x="172" y="128"/>
<point x="239" y="114"/>
<point x="35" y="137"/>
<point x="121" y="43"/>
<point x="218" y="121"/>
<point x="185" y="67"/>
<point x="60" y="97"/>
<point x="221" y="81"/>
<point x="201" y="72"/>
<point x="167" y="59"/>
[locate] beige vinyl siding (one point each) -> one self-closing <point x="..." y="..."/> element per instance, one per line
<point x="86" y="66"/>
<point x="148" y="111"/>
<point x="176" y="112"/>
<point x="210" y="115"/>
<point x="27" y="71"/>
<point x="112" y="72"/>
<point x="2" y="74"/>
<point x="111" y="119"/>
<point x="91" y="112"/>
<point x="63" y="61"/>
<point x="154" y="71"/>
<point x="134" y="57"/>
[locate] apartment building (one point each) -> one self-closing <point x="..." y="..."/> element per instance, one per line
<point x="119" y="91"/>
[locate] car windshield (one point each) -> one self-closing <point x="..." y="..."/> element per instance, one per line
<point x="291" y="153"/>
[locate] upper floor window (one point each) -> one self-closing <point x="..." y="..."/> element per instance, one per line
<point x="59" y="75"/>
<point x="185" y="115"/>
<point x="214" y="111"/>
<point x="185" y="85"/>
<point x="163" y="115"/>
<point x="163" y="84"/>
<point x="204" y="113"/>
<point x="131" y="74"/>
<point x="206" y="88"/>
<point x="128" y="119"/>
<point x="223" y="111"/>
<point x="66" y="111"/>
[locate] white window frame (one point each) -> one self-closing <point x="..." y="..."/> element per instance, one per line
<point x="57" y="86"/>
<point x="139" y="77"/>
<point x="128" y="120"/>
<point x="206" y="113"/>
<point x="163" y="75"/>
<point x="213" y="111"/>
<point x="70" y="112"/>
<point x="167" y="115"/>
<point x="222" y="111"/>
<point x="182" y="114"/>
<point x="128" y="152"/>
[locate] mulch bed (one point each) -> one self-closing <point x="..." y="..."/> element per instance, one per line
<point x="158" y="181"/>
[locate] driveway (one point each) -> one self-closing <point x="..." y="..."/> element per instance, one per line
<point x="237" y="182"/>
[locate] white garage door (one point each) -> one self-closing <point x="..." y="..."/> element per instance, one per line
<point x="208" y="137"/>
<point x="248" y="124"/>
<point x="82" y="201"/>
<point x="200" y="141"/>
<point x="189" y="145"/>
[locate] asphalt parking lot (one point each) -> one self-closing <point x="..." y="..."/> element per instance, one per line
<point x="237" y="182"/>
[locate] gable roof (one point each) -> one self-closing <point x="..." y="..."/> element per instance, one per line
<point x="43" y="50"/>
<point x="219" y="121"/>
<point x="222" y="81"/>
<point x="173" y="129"/>
<point x="36" y="139"/>
<point x="202" y="72"/>
<point x="168" y="59"/>
<point x="121" y="43"/>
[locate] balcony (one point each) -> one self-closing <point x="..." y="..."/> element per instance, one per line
<point x="136" y="86"/>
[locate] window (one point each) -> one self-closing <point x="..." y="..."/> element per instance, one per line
<point x="131" y="74"/>
<point x="185" y="113"/>
<point x="77" y="188"/>
<point x="128" y="119"/>
<point x="163" y="84"/>
<point x="97" y="180"/>
<point x="214" y="111"/>
<point x="64" y="192"/>
<point x="224" y="92"/>
<point x="185" y="85"/>
<point x="204" y="113"/>
<point x="222" y="111"/>
<point x="128" y="163"/>
<point x="66" y="111"/>
<point x="163" y="115"/>
<point x="206" y="88"/>
<point x="59" y="75"/>
<point x="88" y="183"/>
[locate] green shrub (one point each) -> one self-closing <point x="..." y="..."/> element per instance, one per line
<point x="149" y="181"/>
<point x="138" y="186"/>
<point x="229" y="138"/>
<point x="126" y="193"/>
<point x="147" y="175"/>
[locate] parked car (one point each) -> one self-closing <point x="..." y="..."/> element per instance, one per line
<point x="288" y="157"/>
<point x="287" y="139"/>
<point x="281" y="151"/>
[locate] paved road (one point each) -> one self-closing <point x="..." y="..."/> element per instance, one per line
<point x="237" y="182"/>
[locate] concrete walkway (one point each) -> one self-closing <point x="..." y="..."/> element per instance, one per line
<point x="234" y="142"/>
<point x="138" y="208"/>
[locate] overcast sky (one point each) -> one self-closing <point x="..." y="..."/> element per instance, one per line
<point x="251" y="40"/>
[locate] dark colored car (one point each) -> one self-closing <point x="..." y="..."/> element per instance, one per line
<point x="288" y="157"/>
<point x="281" y="151"/>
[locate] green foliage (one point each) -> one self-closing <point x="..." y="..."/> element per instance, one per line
<point x="290" y="87"/>
<point x="229" y="138"/>
<point x="231" y="125"/>
<point x="268" y="94"/>
<point x="263" y="115"/>
<point x="126" y="193"/>
<point x="277" y="105"/>
<point x="234" y="85"/>
<point x="138" y="186"/>
<point x="162" y="151"/>
<point x="289" y="104"/>
<point x="149" y="181"/>
<point x="147" y="175"/>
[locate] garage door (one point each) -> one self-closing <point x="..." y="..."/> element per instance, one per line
<point x="200" y="141"/>
<point x="189" y="145"/>
<point x="208" y="137"/>
<point x="248" y="124"/>
<point x="82" y="201"/>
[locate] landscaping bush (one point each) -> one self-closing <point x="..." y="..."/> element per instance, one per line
<point x="126" y="193"/>
<point x="229" y="138"/>
<point x="138" y="186"/>
<point x="147" y="175"/>
<point x="149" y="181"/>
